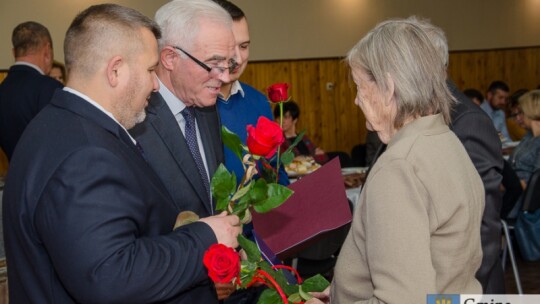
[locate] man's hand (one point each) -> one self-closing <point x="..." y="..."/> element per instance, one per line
<point x="225" y="227"/>
<point x="224" y="290"/>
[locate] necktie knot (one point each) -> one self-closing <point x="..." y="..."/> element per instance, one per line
<point x="188" y="114"/>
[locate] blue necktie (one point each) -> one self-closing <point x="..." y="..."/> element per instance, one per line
<point x="191" y="139"/>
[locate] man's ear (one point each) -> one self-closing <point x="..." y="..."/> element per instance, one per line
<point x="47" y="53"/>
<point x="113" y="70"/>
<point x="167" y="57"/>
<point x="389" y="94"/>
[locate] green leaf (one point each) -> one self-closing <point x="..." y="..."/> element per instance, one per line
<point x="269" y="296"/>
<point x="277" y="195"/>
<point x="247" y="272"/>
<point x="259" y="191"/>
<point x="304" y="295"/>
<point x="243" y="191"/>
<point x="241" y="205"/>
<point x="232" y="141"/>
<point x="222" y="186"/>
<point x="316" y="283"/>
<point x="251" y="249"/>
<point x="296" y="140"/>
<point x="287" y="157"/>
<point x="295" y="298"/>
<point x="279" y="277"/>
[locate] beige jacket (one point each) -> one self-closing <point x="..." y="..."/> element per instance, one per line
<point x="416" y="227"/>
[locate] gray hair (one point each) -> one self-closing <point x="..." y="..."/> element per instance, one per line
<point x="435" y="34"/>
<point x="102" y="30"/>
<point x="402" y="50"/>
<point x="179" y="20"/>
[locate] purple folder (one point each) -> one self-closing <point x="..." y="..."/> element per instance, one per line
<point x="319" y="205"/>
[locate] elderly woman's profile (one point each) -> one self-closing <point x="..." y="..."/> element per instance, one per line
<point x="416" y="227"/>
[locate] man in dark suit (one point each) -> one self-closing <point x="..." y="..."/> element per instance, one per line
<point x="27" y="88"/>
<point x="477" y="134"/>
<point x="190" y="71"/>
<point x="479" y="137"/>
<point x="86" y="220"/>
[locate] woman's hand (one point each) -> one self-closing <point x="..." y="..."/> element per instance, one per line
<point x="320" y="297"/>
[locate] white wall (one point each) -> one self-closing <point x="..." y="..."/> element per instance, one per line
<point x="288" y="29"/>
<point x="56" y="15"/>
<point x="292" y="29"/>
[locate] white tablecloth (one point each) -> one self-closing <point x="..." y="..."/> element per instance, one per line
<point x="353" y="194"/>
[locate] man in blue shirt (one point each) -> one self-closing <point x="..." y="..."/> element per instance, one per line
<point x="496" y="99"/>
<point x="240" y="105"/>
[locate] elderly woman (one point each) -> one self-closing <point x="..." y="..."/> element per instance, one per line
<point x="416" y="229"/>
<point x="525" y="158"/>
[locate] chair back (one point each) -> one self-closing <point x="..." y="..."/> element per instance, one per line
<point x="531" y="197"/>
<point x="344" y="158"/>
<point x="358" y="156"/>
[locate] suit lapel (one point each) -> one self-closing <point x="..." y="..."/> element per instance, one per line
<point x="206" y="120"/>
<point x="84" y="109"/>
<point x="166" y="126"/>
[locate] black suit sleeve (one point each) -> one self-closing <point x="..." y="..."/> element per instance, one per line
<point x="110" y="241"/>
<point x="480" y="139"/>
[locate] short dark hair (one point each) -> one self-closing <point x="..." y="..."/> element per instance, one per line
<point x="474" y="93"/>
<point x="498" y="85"/>
<point x="514" y="98"/>
<point x="28" y="37"/>
<point x="99" y="24"/>
<point x="289" y="106"/>
<point x="231" y="8"/>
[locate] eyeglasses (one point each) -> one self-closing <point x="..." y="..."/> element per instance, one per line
<point x="215" y="71"/>
<point x="516" y="114"/>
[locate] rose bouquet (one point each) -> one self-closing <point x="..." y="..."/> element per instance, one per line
<point x="258" y="190"/>
<point x="224" y="266"/>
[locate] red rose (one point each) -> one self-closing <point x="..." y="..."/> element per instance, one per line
<point x="265" y="138"/>
<point x="278" y="92"/>
<point x="222" y="262"/>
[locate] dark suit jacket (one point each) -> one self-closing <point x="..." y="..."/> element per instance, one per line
<point x="168" y="153"/>
<point x="23" y="94"/>
<point x="477" y="133"/>
<point x="87" y="220"/>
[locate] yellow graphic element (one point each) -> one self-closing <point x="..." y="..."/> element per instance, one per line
<point x="443" y="300"/>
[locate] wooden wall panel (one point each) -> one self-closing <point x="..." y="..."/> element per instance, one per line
<point x="520" y="68"/>
<point x="336" y="124"/>
<point x="329" y="116"/>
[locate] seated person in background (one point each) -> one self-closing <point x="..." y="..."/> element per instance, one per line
<point x="494" y="105"/>
<point x="474" y="95"/>
<point x="305" y="147"/>
<point x="514" y="122"/>
<point x="58" y="72"/>
<point x="511" y="188"/>
<point x="526" y="156"/>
